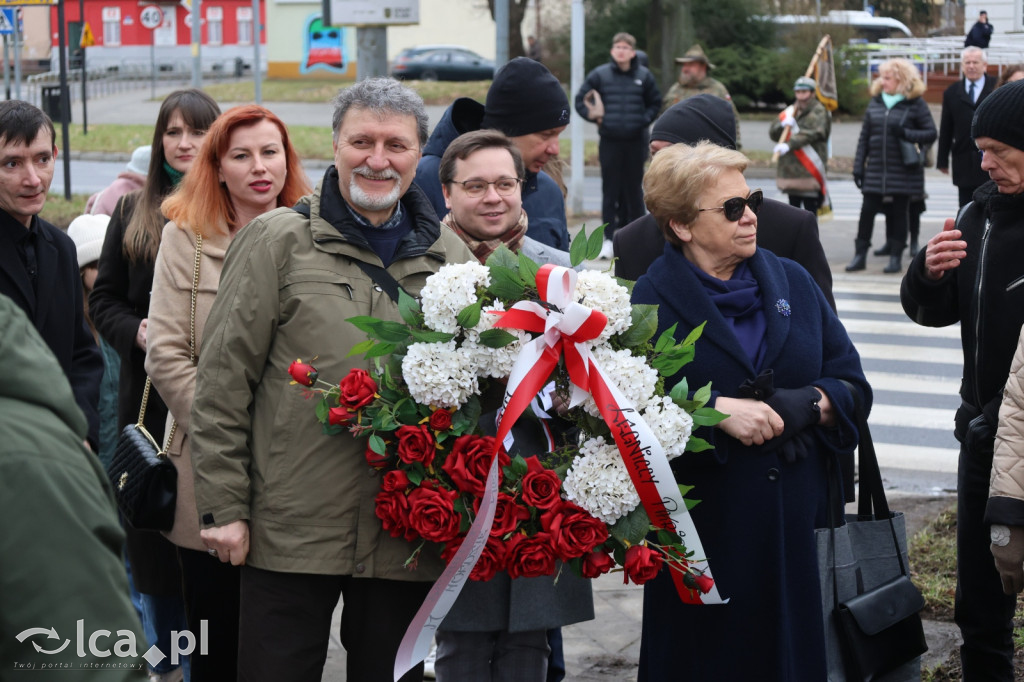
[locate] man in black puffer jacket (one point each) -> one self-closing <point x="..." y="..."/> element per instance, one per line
<point x="630" y="99"/>
<point x="971" y="273"/>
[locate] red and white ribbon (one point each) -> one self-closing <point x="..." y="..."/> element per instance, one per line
<point x="564" y="327"/>
<point x="807" y="156"/>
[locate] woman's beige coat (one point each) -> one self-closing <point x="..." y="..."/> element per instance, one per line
<point x="1008" y="461"/>
<point x="167" y="352"/>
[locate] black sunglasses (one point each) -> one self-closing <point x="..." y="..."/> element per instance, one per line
<point x="733" y="208"/>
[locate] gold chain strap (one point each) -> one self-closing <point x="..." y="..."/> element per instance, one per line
<point x="191" y="343"/>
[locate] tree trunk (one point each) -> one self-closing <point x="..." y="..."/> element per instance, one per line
<point x="669" y="34"/>
<point x="516" y="12"/>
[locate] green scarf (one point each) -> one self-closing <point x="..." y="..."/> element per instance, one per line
<point x="892" y="100"/>
<point x="174" y="175"/>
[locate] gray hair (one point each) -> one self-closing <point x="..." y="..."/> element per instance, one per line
<point x="382" y="96"/>
<point x="972" y="50"/>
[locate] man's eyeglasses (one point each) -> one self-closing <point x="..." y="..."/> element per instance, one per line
<point x="475" y="189"/>
<point x="733" y="208"/>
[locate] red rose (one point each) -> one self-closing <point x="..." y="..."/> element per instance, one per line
<point x="303" y="373"/>
<point x="357" y="389"/>
<point x="393" y="511"/>
<point x="339" y="416"/>
<point x="642" y="563"/>
<point x="529" y="557"/>
<point x="704" y="583"/>
<point x="507" y="514"/>
<point x="541" y="487"/>
<point x="395" y="481"/>
<point x="375" y="459"/>
<point x="470" y="460"/>
<point x="492" y="557"/>
<point x="432" y="513"/>
<point x="441" y="420"/>
<point x="597" y="563"/>
<point x="415" y="444"/>
<point x="573" y="531"/>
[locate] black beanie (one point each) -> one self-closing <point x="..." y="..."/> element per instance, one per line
<point x="702" y="117"/>
<point x="525" y="98"/>
<point x="998" y="116"/>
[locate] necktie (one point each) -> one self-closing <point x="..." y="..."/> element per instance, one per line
<point x="970" y="92"/>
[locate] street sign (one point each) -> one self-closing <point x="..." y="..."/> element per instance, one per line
<point x="87" y="39"/>
<point x="7" y="21"/>
<point x="151" y="17"/>
<point x="12" y="3"/>
<point x="374" y="12"/>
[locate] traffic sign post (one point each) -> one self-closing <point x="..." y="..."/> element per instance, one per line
<point x="151" y="17"/>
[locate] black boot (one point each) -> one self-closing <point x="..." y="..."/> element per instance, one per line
<point x="914" y="248"/>
<point x="895" y="262"/>
<point x="884" y="251"/>
<point x="860" y="258"/>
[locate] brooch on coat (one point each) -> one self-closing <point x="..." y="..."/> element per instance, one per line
<point x="782" y="305"/>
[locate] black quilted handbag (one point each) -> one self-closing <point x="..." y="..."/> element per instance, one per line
<point x="145" y="482"/>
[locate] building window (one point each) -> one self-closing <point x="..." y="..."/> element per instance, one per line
<point x="244" y="17"/>
<point x="215" y="25"/>
<point x="111" y="26"/>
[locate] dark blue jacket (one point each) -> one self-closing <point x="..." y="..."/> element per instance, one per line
<point x="757" y="513"/>
<point x="631" y="99"/>
<point x="542" y="198"/>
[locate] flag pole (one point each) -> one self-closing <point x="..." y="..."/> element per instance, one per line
<point x="788" y="132"/>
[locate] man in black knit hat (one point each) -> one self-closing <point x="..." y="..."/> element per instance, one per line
<point x="784" y="230"/>
<point x="527" y="103"/>
<point x="968" y="273"/>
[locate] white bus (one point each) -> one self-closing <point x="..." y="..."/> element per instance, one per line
<point x="865" y="27"/>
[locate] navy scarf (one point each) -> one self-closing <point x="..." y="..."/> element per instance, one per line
<point x="739" y="301"/>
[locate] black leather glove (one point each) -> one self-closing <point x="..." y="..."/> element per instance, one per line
<point x="761" y="387"/>
<point x="798" y="408"/>
<point x="798" y="446"/>
<point x="980" y="437"/>
<point x="858" y="179"/>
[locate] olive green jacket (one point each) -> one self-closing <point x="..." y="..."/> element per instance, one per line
<point x="709" y="86"/>
<point x="815" y="126"/>
<point x="258" y="452"/>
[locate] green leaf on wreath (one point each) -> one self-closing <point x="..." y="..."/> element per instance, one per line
<point x="696" y="444"/>
<point x="506" y="283"/>
<point x="378" y="445"/>
<point x="361" y="347"/>
<point x="690" y="504"/>
<point x="627" y="284"/>
<point x="496" y="338"/>
<point x="380" y="349"/>
<point x="703" y="394"/>
<point x="680" y="392"/>
<point x="683" y="489"/>
<point x="692" y="337"/>
<point x="578" y="247"/>
<point x="527" y="268"/>
<point x="707" y="416"/>
<point x="667" y="537"/>
<point x="631" y="528"/>
<point x="427" y="336"/>
<point x="364" y="323"/>
<point x="406" y="412"/>
<point x="642" y="327"/>
<point x="666" y="339"/>
<point x="619" y="554"/>
<point x="415" y="477"/>
<point x="469" y="316"/>
<point x="393" y="332"/>
<point x="519" y="467"/>
<point x="466" y="417"/>
<point x="323" y="411"/>
<point x="502" y="257"/>
<point x="595" y="241"/>
<point x="408" y="308"/>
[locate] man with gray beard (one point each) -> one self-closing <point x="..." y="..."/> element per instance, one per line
<point x="293" y="506"/>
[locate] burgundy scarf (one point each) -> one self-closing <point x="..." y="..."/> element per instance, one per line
<point x="513" y="238"/>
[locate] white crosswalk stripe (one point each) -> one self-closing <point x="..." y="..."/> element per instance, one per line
<point x="942" y="202"/>
<point x="914" y="373"/>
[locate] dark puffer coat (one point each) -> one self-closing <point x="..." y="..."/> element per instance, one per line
<point x="879" y="158"/>
<point x="631" y="98"/>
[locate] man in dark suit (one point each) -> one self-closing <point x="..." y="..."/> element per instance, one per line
<point x="958" y="104"/>
<point x="38" y="262"/>
<point x="784" y="230"/>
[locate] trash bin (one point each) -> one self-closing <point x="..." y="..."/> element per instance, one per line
<point x="239" y="67"/>
<point x="50" y="95"/>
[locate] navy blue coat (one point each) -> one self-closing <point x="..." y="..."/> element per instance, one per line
<point x="631" y="99"/>
<point x="542" y="198"/>
<point x="757" y="513"/>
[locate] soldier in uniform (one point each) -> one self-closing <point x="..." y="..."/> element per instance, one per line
<point x="802" y="157"/>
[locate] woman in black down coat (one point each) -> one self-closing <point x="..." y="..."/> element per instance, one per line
<point x="897" y="112"/>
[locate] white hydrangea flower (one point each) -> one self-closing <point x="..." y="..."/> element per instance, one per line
<point x="599" y="291"/>
<point x="630" y="374"/>
<point x="448" y="291"/>
<point x="437" y="374"/>
<point x="598" y="482"/>
<point x="671" y="424"/>
<point x="492" y="362"/>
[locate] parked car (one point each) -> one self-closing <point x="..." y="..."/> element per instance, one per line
<point x="441" y="62"/>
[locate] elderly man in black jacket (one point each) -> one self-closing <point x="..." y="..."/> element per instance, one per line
<point x="38" y="262"/>
<point x="959" y="102"/>
<point x="626" y="101"/>
<point x="786" y="231"/>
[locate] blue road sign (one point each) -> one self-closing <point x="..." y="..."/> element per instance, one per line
<point x="7" y="20"/>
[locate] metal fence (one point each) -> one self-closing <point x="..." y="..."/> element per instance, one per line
<point x="942" y="55"/>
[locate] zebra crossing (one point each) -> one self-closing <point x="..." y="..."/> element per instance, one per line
<point x="915" y="373"/>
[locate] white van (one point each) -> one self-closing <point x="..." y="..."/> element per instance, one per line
<point x="866" y="28"/>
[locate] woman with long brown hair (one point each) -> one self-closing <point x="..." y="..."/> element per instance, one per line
<point x="119" y="305"/>
<point x="245" y="168"/>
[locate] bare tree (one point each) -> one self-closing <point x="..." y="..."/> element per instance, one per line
<point x="516" y="12"/>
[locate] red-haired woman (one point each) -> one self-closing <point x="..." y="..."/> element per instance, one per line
<point x="245" y="167"/>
